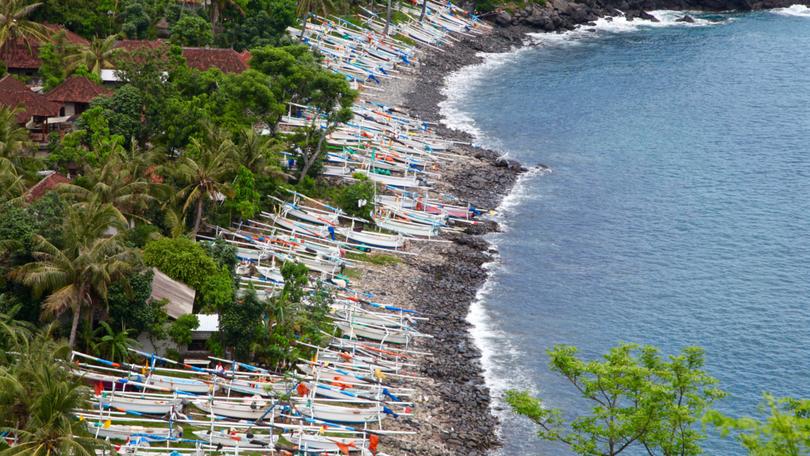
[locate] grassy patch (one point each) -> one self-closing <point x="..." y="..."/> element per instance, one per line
<point x="380" y="259"/>
<point x="352" y="273"/>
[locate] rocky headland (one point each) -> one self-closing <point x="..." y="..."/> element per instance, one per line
<point x="561" y="15"/>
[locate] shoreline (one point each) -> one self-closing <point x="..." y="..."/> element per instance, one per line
<point x="455" y="407"/>
<point x="453" y="413"/>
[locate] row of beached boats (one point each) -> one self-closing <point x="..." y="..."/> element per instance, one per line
<point x="340" y="401"/>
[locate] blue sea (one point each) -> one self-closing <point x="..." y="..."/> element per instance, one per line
<point x="677" y="211"/>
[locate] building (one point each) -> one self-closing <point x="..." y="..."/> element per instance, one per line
<point x="75" y="94"/>
<point x="227" y="60"/>
<point x="51" y="180"/>
<point x="200" y="58"/>
<point x="21" y="56"/>
<point x="35" y="111"/>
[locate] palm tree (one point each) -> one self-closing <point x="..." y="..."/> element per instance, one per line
<point x="14" y="139"/>
<point x="11" y="181"/>
<point x="121" y="182"/>
<point x="305" y="7"/>
<point x="113" y="345"/>
<point x="14" y="24"/>
<point x="38" y="396"/>
<point x="78" y="276"/>
<point x="205" y="167"/>
<point x="217" y="7"/>
<point x="96" y="56"/>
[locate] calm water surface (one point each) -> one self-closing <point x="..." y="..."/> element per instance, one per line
<point x="677" y="212"/>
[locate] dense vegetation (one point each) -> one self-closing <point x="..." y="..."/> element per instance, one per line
<point x="153" y="162"/>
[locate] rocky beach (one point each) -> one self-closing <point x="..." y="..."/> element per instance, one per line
<point x="440" y="280"/>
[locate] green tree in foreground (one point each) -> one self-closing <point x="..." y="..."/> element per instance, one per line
<point x="38" y="396"/>
<point x="639" y="399"/>
<point x="785" y="432"/>
<point x="77" y="276"/>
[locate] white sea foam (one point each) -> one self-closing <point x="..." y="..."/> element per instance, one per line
<point x="457" y="86"/>
<point x="617" y="24"/>
<point x="499" y="356"/>
<point x="793" y="10"/>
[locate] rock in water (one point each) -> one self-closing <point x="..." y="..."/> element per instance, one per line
<point x="688" y="19"/>
<point x="647" y="16"/>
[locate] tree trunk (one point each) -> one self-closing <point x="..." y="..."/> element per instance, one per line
<point x="310" y="159"/>
<point x="424" y="7"/>
<point x="387" y="17"/>
<point x="303" y="27"/>
<point x="74" y="326"/>
<point x="214" y="16"/>
<point x="198" y="215"/>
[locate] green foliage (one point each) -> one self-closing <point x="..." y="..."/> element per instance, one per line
<point x="121" y="112"/>
<point x="263" y="23"/>
<point x="297" y="75"/>
<point x="242" y="100"/>
<point x="351" y="196"/>
<point x="181" y="329"/>
<point x="638" y="399"/>
<point x="129" y="305"/>
<point x="81" y="70"/>
<point x="191" y="30"/>
<point x="38" y="395"/>
<point x="785" y="430"/>
<point x="136" y="22"/>
<point x="290" y="319"/>
<point x="224" y="253"/>
<point x="142" y="233"/>
<point x="245" y="200"/>
<point x="87" y="18"/>
<point x="184" y="260"/>
<point x="111" y="344"/>
<point x="241" y="322"/>
<point x="380" y="259"/>
<point x="217" y="292"/>
<point x="54" y="56"/>
<point x="181" y="259"/>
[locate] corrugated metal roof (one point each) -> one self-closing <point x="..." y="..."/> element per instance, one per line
<point x="179" y="295"/>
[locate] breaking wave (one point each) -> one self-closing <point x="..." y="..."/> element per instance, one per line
<point x="793" y="10"/>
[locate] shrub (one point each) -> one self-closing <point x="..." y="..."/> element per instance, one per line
<point x="180" y="331"/>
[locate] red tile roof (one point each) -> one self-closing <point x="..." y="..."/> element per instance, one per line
<point x="11" y="84"/>
<point x="227" y="60"/>
<point x="137" y="45"/>
<point x="30" y="104"/>
<point x="23" y="54"/>
<point x="77" y="89"/>
<point x="44" y="186"/>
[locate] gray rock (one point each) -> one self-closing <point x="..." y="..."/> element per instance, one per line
<point x="503" y="18"/>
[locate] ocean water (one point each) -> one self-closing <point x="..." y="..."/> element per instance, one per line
<point x="677" y="211"/>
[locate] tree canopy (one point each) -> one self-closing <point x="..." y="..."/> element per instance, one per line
<point x="638" y="400"/>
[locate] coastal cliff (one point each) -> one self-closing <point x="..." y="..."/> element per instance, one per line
<point x="560" y="15"/>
